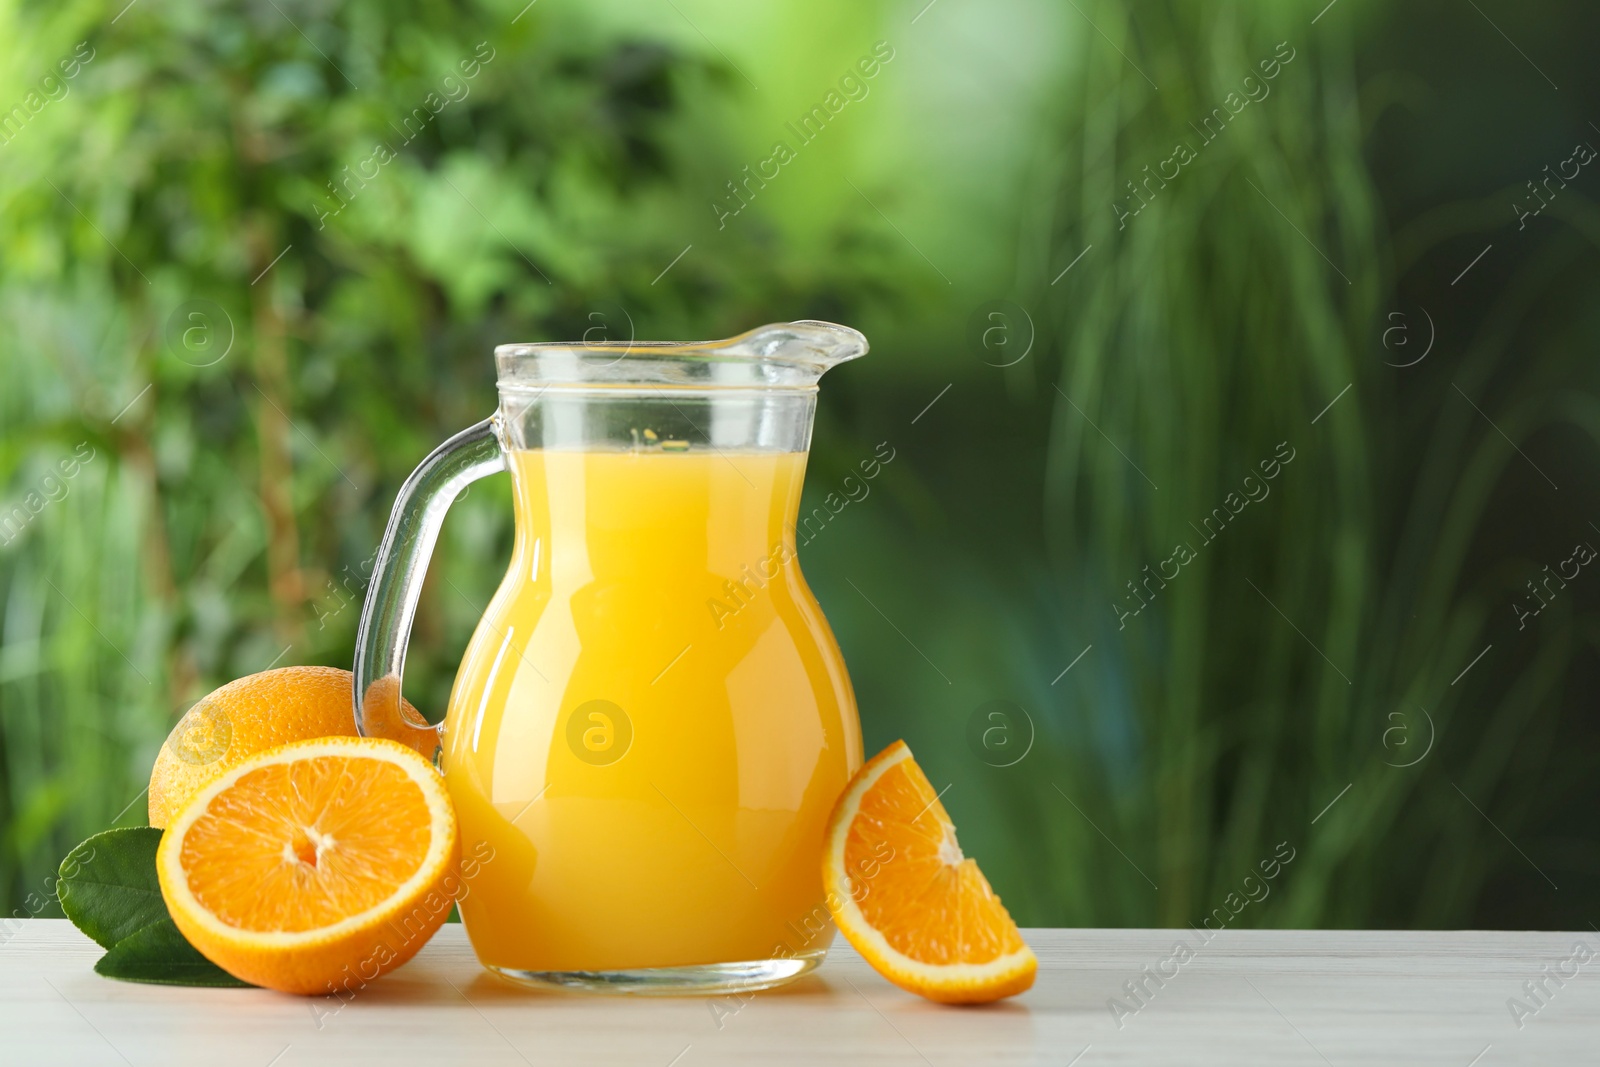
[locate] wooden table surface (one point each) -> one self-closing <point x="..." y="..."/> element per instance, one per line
<point x="1246" y="997"/>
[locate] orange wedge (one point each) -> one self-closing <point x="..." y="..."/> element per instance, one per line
<point x="903" y="894"/>
<point x="313" y="867"/>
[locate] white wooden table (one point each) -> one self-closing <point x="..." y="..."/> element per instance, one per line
<point x="1247" y="997"/>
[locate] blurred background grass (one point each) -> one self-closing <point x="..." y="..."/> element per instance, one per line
<point x="1071" y="390"/>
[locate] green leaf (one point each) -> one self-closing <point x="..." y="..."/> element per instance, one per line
<point x="108" y="884"/>
<point x="110" y="891"/>
<point x="159" y="953"/>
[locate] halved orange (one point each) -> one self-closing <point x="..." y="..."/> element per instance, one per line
<point x="904" y="895"/>
<point x="313" y="867"/>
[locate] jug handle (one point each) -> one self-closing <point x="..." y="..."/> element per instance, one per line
<point x="396" y="583"/>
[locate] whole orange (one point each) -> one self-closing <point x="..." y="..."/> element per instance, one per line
<point x="251" y="715"/>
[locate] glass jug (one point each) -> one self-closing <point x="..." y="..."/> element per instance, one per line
<point x="652" y="720"/>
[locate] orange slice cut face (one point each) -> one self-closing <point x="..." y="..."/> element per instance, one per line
<point x="313" y="867"/>
<point x="905" y="896"/>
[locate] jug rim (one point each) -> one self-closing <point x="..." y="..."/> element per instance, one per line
<point x="783" y="355"/>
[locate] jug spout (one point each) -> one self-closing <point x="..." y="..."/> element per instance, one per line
<point x="809" y="343"/>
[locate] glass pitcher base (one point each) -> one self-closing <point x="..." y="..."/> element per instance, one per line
<point x="746" y="976"/>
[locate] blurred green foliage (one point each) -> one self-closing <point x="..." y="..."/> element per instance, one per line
<point x="253" y="259"/>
